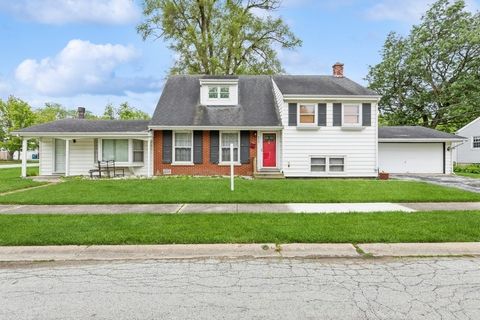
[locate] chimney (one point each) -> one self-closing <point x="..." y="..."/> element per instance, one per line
<point x="81" y="113"/>
<point x="338" y="70"/>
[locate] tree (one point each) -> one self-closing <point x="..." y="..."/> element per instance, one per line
<point x="124" y="112"/>
<point x="215" y="37"/>
<point x="432" y="76"/>
<point x="55" y="111"/>
<point x="14" y="114"/>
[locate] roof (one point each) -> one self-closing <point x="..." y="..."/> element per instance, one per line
<point x="407" y="133"/>
<point x="179" y="104"/>
<point x="320" y="85"/>
<point x="468" y="125"/>
<point x="84" y="126"/>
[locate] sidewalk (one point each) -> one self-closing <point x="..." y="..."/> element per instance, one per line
<point x="202" y="251"/>
<point x="238" y="208"/>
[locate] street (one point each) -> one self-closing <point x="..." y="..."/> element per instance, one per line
<point x="421" y="288"/>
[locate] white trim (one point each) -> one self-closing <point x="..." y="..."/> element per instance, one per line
<point x="472" y="147"/>
<point x="218" y="81"/>
<point x="24" y="157"/>
<point x="67" y="158"/>
<point x="216" y="128"/>
<point x="74" y="135"/>
<point x="220" y="160"/>
<point x="413" y="140"/>
<point x="360" y="116"/>
<point x="289" y="97"/>
<point x="260" y="150"/>
<point x="314" y="124"/>
<point x="174" y="162"/>
<point x="468" y="125"/>
<point x="327" y="171"/>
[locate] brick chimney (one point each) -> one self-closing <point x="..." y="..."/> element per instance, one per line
<point x="81" y="113"/>
<point x="338" y="70"/>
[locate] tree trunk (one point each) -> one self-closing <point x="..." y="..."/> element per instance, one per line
<point x="10" y="155"/>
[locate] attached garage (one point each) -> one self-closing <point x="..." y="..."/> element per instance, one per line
<point x="415" y="149"/>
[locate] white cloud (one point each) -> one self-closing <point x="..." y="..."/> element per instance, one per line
<point x="70" y="11"/>
<point x="82" y="67"/>
<point x="409" y="11"/>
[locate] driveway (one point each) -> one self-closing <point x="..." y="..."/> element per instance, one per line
<point x="465" y="183"/>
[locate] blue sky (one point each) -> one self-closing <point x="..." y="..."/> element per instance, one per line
<point x="87" y="52"/>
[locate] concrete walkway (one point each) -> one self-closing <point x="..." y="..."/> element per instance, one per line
<point x="268" y="250"/>
<point x="238" y="208"/>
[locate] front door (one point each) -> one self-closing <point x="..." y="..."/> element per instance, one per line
<point x="59" y="156"/>
<point x="269" y="150"/>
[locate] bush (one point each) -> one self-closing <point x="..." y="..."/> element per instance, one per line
<point x="471" y="168"/>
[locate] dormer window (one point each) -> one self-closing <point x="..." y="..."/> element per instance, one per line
<point x="218" y="92"/>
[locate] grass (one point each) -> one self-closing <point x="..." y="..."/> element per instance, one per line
<point x="239" y="228"/>
<point x="470" y="175"/>
<point x="216" y="190"/>
<point x="2" y="162"/>
<point x="10" y="179"/>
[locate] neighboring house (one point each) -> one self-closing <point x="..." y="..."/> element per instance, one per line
<point x="469" y="152"/>
<point x="285" y="125"/>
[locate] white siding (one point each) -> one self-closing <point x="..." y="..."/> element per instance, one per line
<point x="465" y="152"/>
<point x="358" y="147"/>
<point x="81" y="156"/>
<point x="46" y="156"/>
<point x="448" y="158"/>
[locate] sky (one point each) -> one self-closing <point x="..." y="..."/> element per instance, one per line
<point x="88" y="53"/>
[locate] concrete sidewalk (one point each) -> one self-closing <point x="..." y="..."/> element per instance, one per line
<point x="201" y="251"/>
<point x="237" y="208"/>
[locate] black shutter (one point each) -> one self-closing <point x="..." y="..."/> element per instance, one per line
<point x="244" y="146"/>
<point x="366" y="114"/>
<point x="197" y="147"/>
<point x="214" y="146"/>
<point x="322" y="114"/>
<point x="292" y="114"/>
<point x="167" y="146"/>
<point x="337" y="114"/>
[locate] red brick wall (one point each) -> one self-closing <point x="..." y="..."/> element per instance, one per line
<point x="206" y="168"/>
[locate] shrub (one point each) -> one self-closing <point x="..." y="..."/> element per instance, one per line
<point x="471" y="168"/>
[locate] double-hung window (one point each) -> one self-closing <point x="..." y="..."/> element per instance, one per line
<point x="115" y="149"/>
<point x="351" y="114"/>
<point x="306" y="114"/>
<point x="137" y="146"/>
<point x="227" y="138"/>
<point x="476" y="142"/>
<point x="183" y="145"/>
<point x="218" y="92"/>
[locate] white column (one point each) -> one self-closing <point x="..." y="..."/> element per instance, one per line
<point x="67" y="158"/>
<point x="24" y="157"/>
<point x="149" y="157"/>
<point x="232" y="175"/>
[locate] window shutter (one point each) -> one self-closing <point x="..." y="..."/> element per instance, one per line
<point x="366" y="114"/>
<point x="337" y="114"/>
<point x="292" y="114"/>
<point x="322" y="114"/>
<point x="167" y="146"/>
<point x="244" y="147"/>
<point x="197" y="147"/>
<point x="214" y="146"/>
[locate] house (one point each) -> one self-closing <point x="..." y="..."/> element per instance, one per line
<point x="469" y="152"/>
<point x="282" y="125"/>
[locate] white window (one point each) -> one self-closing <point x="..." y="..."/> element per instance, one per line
<point x="182" y="147"/>
<point x="306" y="114"/>
<point x="476" y="142"/>
<point x="218" y="92"/>
<point x="227" y="138"/>
<point x="115" y="149"/>
<point x="327" y="164"/>
<point x="137" y="150"/>
<point x="351" y="114"/>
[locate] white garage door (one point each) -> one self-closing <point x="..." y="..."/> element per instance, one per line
<point x="410" y="157"/>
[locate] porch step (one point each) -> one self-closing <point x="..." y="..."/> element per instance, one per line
<point x="269" y="175"/>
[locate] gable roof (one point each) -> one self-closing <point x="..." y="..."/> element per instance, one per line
<point x="409" y="133"/>
<point x="320" y="85"/>
<point x="179" y="104"/>
<point x="468" y="125"/>
<point x="85" y="126"/>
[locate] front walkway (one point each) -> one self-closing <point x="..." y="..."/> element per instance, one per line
<point x="237" y="208"/>
<point x="465" y="183"/>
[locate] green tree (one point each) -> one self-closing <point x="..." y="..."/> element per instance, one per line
<point x="219" y="36"/>
<point x="55" y="111"/>
<point x="14" y="114"/>
<point x="432" y="76"/>
<point x="124" y="112"/>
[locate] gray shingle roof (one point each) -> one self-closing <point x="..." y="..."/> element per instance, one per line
<point x="320" y="85"/>
<point x="414" y="132"/>
<point x="83" y="125"/>
<point x="179" y="104"/>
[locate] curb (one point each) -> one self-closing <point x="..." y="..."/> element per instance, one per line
<point x="203" y="251"/>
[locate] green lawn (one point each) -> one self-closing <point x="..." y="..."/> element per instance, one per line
<point x="216" y="190"/>
<point x="16" y="161"/>
<point x="239" y="228"/>
<point x="10" y="179"/>
<point x="470" y="175"/>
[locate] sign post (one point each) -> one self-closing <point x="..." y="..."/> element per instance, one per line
<point x="232" y="186"/>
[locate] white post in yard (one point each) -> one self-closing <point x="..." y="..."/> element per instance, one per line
<point x="67" y="158"/>
<point x="232" y="186"/>
<point x="149" y="156"/>
<point x="24" y="157"/>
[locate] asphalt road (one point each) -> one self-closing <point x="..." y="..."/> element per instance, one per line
<point x="442" y="288"/>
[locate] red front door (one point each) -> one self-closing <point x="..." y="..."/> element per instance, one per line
<point x="269" y="150"/>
